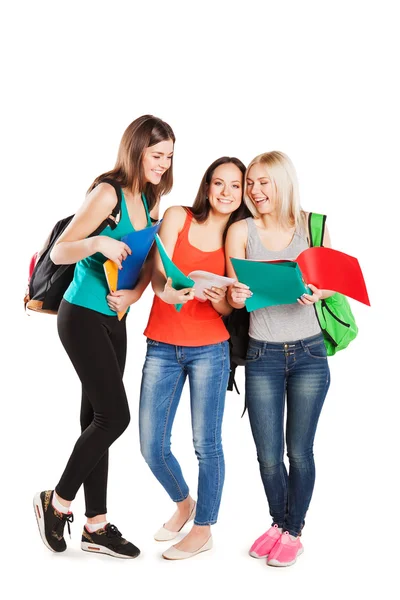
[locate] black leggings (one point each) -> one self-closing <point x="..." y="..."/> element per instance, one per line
<point x="96" y="345"/>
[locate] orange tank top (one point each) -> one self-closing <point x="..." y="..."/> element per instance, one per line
<point x="197" y="323"/>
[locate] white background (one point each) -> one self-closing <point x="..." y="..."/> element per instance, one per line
<point x="316" y="80"/>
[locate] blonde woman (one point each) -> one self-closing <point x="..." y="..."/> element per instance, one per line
<point x="286" y="356"/>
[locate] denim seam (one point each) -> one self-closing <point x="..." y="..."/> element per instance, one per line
<point x="218" y="491"/>
<point x="204" y="524"/>
<point x="163" y="439"/>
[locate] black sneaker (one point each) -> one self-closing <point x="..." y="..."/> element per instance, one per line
<point x="51" y="523"/>
<point x="108" y="540"/>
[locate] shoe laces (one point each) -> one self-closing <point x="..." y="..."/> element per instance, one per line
<point x="65" y="518"/>
<point x="113" y="531"/>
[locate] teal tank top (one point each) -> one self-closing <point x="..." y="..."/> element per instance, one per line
<point x="89" y="286"/>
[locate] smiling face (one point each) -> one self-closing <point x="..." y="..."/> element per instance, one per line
<point x="260" y="189"/>
<point x="225" y="189"/>
<point x="156" y="160"/>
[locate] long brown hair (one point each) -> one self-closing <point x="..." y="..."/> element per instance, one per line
<point x="201" y="206"/>
<point x="128" y="171"/>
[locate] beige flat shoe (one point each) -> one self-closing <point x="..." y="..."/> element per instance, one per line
<point x="174" y="554"/>
<point x="165" y="535"/>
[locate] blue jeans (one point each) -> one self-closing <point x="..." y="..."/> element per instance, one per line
<point x="298" y="371"/>
<point x="164" y="374"/>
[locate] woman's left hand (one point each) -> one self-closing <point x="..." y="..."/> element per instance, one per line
<point x="215" y="294"/>
<point x="307" y="299"/>
<point x="120" y="300"/>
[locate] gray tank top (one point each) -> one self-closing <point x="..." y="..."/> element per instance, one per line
<point x="286" y="322"/>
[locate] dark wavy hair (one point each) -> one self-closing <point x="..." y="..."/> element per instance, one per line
<point x="128" y="171"/>
<point x="201" y="206"/>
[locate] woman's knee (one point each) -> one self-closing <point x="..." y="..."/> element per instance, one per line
<point x="270" y="463"/>
<point x="300" y="457"/>
<point x="115" y="423"/>
<point x="151" y="446"/>
<point x="208" y="449"/>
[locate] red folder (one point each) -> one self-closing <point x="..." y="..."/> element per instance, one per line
<point x="330" y="269"/>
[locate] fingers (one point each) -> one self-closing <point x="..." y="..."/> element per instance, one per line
<point x="215" y="293"/>
<point x="240" y="295"/>
<point x="126" y="249"/>
<point x="187" y="290"/>
<point x="312" y="287"/>
<point x="240" y="292"/>
<point x="183" y="298"/>
<point x="239" y="285"/>
<point x="303" y="301"/>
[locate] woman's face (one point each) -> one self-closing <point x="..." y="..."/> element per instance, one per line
<point x="260" y="189"/>
<point x="225" y="189"/>
<point x="156" y="160"/>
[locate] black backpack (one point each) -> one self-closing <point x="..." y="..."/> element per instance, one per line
<point x="48" y="282"/>
<point x="237" y="324"/>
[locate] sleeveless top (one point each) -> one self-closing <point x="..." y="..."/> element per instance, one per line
<point x="89" y="286"/>
<point x="197" y="323"/>
<point x="286" y="322"/>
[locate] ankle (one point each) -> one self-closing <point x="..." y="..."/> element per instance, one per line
<point x="92" y="527"/>
<point x="60" y="504"/>
<point x="96" y="520"/>
<point x="185" y="507"/>
<point x="201" y="531"/>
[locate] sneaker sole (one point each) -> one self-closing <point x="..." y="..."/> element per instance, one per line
<point x="38" y="508"/>
<point x="255" y="555"/>
<point x="276" y="563"/>
<point x="96" y="549"/>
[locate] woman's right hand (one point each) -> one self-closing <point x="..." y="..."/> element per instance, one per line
<point x="112" y="249"/>
<point x="172" y="296"/>
<point x="239" y="292"/>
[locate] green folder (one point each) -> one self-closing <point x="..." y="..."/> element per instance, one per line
<point x="179" y="279"/>
<point x="272" y="283"/>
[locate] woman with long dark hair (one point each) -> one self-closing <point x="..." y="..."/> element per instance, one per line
<point x="191" y="343"/>
<point x="93" y="336"/>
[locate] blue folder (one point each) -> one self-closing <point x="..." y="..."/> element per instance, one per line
<point x="140" y="242"/>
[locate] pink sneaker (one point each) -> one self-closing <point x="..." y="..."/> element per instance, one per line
<point x="264" y="544"/>
<point x="285" y="552"/>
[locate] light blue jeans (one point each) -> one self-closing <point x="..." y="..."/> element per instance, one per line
<point x="164" y="374"/>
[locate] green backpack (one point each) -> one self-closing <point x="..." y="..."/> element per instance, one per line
<point x="334" y="313"/>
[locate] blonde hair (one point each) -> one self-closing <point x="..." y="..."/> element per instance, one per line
<point x="282" y="174"/>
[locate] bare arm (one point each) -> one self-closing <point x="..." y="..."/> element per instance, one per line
<point x="235" y="247"/>
<point x="172" y="224"/>
<point x="73" y="244"/>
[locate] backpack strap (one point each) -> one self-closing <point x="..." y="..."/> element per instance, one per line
<point x="316" y="229"/>
<point x="117" y="208"/>
<point x="112" y="219"/>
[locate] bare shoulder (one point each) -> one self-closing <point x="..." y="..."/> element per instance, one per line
<point x="175" y="215"/>
<point x="103" y="195"/>
<point x="238" y="230"/>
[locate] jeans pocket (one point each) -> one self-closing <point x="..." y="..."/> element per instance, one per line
<point x="317" y="351"/>
<point x="151" y="342"/>
<point x="253" y="353"/>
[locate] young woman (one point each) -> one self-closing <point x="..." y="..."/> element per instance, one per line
<point x="191" y="343"/>
<point x="92" y="335"/>
<point x="286" y="356"/>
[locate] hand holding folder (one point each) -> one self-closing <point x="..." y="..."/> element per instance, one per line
<point x="200" y="279"/>
<point x="179" y="279"/>
<point x="283" y="281"/>
<point x="140" y="242"/>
